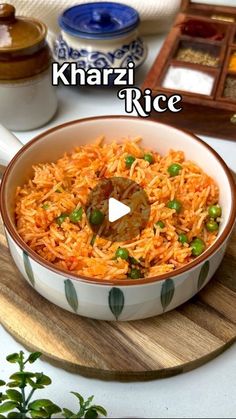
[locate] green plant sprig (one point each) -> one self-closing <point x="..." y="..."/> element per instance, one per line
<point x="17" y="401"/>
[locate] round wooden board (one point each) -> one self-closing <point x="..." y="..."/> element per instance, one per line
<point x="158" y="347"/>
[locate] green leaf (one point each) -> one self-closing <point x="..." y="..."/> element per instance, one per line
<point x="18" y="376"/>
<point x="13" y="358"/>
<point x="88" y="402"/>
<point x="3" y="397"/>
<point x="41" y="413"/>
<point x="28" y="268"/>
<point x="91" y="413"/>
<point x="203" y="274"/>
<point x="5" y="407"/>
<point x="33" y="384"/>
<point x="81" y="399"/>
<point x="40" y="403"/>
<point x="12" y="384"/>
<point x="67" y="413"/>
<point x="44" y="408"/>
<point x="80" y="414"/>
<point x="52" y="409"/>
<point x="2" y="383"/>
<point x="14" y="415"/>
<point x="14" y="395"/>
<point x="30" y="382"/>
<point x="71" y="295"/>
<point x="34" y="356"/>
<point x="116" y="301"/>
<point x="100" y="410"/>
<point x="167" y="293"/>
<point x="43" y="379"/>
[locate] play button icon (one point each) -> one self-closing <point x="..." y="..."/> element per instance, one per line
<point x="117" y="209"/>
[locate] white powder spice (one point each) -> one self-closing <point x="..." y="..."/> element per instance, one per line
<point x="188" y="80"/>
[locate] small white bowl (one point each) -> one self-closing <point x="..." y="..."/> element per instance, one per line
<point x="113" y="299"/>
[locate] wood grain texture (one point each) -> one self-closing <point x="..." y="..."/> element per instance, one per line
<point x="206" y="9"/>
<point x="159" y="347"/>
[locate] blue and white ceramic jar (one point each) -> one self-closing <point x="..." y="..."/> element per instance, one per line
<point x="100" y="35"/>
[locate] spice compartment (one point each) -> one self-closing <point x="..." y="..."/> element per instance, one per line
<point x="188" y="79"/>
<point x="199" y="59"/>
<point x="232" y="61"/>
<point x="203" y="29"/>
<point x="216" y="13"/>
<point x="227" y="86"/>
<point x="234" y="36"/>
<point x="229" y="91"/>
<point x="190" y="51"/>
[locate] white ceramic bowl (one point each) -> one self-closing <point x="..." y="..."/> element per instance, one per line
<point x="114" y="299"/>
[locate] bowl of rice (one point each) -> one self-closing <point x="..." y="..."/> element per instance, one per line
<point x="45" y="190"/>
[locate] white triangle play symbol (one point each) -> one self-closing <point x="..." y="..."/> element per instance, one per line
<point x="116" y="210"/>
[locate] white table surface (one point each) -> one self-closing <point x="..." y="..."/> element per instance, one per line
<point x="209" y="391"/>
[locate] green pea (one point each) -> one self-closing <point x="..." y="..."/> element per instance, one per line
<point x="212" y="226"/>
<point x="61" y="219"/>
<point x="198" y="246"/>
<point x="215" y="211"/>
<point x="176" y="205"/>
<point x="149" y="158"/>
<point x="135" y="273"/>
<point x="122" y="253"/>
<point x="76" y="215"/>
<point x="160" y="224"/>
<point x="129" y="161"/>
<point x="96" y="217"/>
<point x="183" y="238"/>
<point x="174" y="169"/>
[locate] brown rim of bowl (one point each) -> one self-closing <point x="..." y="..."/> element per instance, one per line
<point x="125" y="282"/>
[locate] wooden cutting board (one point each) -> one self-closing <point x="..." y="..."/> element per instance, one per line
<point x="158" y="347"/>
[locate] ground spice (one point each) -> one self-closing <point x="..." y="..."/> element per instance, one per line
<point x="197" y="56"/>
<point x="230" y="87"/>
<point x="232" y="62"/>
<point x="201" y="29"/>
<point x="188" y="80"/>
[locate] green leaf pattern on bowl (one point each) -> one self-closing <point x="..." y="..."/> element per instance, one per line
<point x="116" y="301"/>
<point x="203" y="274"/>
<point x="167" y="293"/>
<point x="28" y="268"/>
<point x="71" y="295"/>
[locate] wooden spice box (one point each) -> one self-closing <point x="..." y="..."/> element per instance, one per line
<point x="211" y="114"/>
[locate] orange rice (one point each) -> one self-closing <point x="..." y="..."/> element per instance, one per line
<point x="58" y="188"/>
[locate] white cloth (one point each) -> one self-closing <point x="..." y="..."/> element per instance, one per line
<point x="156" y="15"/>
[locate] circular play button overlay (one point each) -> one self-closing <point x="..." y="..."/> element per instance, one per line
<point x="117" y="209"/>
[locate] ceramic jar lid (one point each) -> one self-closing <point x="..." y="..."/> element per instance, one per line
<point x="19" y="34"/>
<point x="23" y="49"/>
<point x="100" y="20"/>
